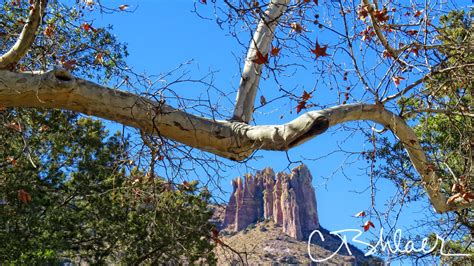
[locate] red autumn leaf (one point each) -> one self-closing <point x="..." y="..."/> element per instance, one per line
<point x="261" y="59"/>
<point x="69" y="64"/>
<point x="306" y="96"/>
<point x="320" y="50"/>
<point x="204" y="1"/>
<point x="468" y="196"/>
<point x="381" y="15"/>
<point x="412" y="32"/>
<point x="215" y="236"/>
<point x="414" y="50"/>
<point x="263" y="101"/>
<point x="367" y="225"/>
<point x="123" y="7"/>
<point x="275" y="51"/>
<point x="363" y="13"/>
<point x="88" y="27"/>
<point x="396" y="80"/>
<point x="316" y="2"/>
<point x="417" y="13"/>
<point x="215" y="232"/>
<point x="161" y="157"/>
<point x="301" y="105"/>
<point x="360" y="214"/>
<point x="367" y="34"/>
<point x="14" y="126"/>
<point x="24" y="196"/>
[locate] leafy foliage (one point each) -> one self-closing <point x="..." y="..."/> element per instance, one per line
<point x="87" y="199"/>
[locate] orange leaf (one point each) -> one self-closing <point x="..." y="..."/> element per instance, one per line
<point x="88" y="27"/>
<point x="367" y="225"/>
<point x="320" y="50"/>
<point x="261" y="59"/>
<point x="275" y="51"/>
<point x="360" y="214"/>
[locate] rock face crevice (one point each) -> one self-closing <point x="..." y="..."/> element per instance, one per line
<point x="288" y="199"/>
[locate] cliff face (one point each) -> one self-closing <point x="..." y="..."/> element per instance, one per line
<point x="288" y="199"/>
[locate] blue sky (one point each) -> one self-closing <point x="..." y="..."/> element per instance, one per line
<point x="163" y="34"/>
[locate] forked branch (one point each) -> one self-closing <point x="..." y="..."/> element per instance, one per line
<point x="26" y="38"/>
<point x="234" y="140"/>
<point x="260" y="43"/>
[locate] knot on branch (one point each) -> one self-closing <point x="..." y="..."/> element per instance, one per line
<point x="60" y="78"/>
<point x="319" y="126"/>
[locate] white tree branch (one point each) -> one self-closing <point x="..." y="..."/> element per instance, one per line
<point x="260" y="42"/>
<point x="233" y="140"/>
<point x="26" y="38"/>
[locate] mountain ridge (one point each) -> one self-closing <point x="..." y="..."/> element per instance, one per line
<point x="269" y="218"/>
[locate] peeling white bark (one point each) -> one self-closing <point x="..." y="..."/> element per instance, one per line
<point x="250" y="78"/>
<point x="233" y="140"/>
<point x="26" y="38"/>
